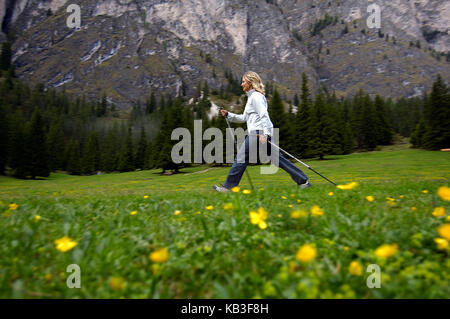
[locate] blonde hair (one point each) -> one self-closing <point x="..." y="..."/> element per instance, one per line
<point x="256" y="82"/>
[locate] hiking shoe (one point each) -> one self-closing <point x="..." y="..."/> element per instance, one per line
<point x="305" y="185"/>
<point x="221" y="189"/>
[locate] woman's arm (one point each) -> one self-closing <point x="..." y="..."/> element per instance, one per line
<point x="260" y="107"/>
<point x="238" y="118"/>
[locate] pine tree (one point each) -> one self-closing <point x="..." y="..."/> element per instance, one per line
<point x="278" y="118"/>
<point x="73" y="164"/>
<point x="437" y="134"/>
<point x="3" y="140"/>
<point x="302" y="120"/>
<point x="37" y="148"/>
<point x="418" y="134"/>
<point x="5" y="57"/>
<point x="126" y="161"/>
<point x="151" y="104"/>
<point x="140" y="158"/>
<point x="91" y="156"/>
<point x="384" y="130"/>
<point x="55" y="145"/>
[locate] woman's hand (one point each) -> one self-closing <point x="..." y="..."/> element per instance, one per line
<point x="262" y="139"/>
<point x="224" y="112"/>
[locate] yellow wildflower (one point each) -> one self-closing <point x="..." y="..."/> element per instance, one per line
<point x="117" y="283"/>
<point x="370" y="198"/>
<point x="159" y="256"/>
<point x="306" y="253"/>
<point x="290" y="206"/>
<point x="441" y="243"/>
<point x="299" y="214"/>
<point x="447" y="219"/>
<point x="425" y="191"/>
<point x="48" y="277"/>
<point x="236" y="189"/>
<point x="13" y="206"/>
<point x="283" y="197"/>
<point x="64" y="244"/>
<point x="348" y="186"/>
<point x="402" y="196"/>
<point x="145" y="196"/>
<point x="133" y="212"/>
<point x="439" y="211"/>
<point x="198" y="213"/>
<point x="259" y="218"/>
<point x="37" y="218"/>
<point x="444" y="193"/>
<point x="386" y="250"/>
<point x="355" y="268"/>
<point x="444" y="231"/>
<point x="346" y="248"/>
<point x="413" y="208"/>
<point x="177" y="212"/>
<point x="228" y="206"/>
<point x="316" y="211"/>
<point x="299" y="201"/>
<point x="210" y="207"/>
<point x="246" y="191"/>
<point x="390" y="199"/>
<point x="330" y="194"/>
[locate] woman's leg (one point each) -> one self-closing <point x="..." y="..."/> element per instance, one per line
<point x="239" y="166"/>
<point x="296" y="174"/>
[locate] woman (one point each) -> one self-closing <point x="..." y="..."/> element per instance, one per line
<point x="258" y="124"/>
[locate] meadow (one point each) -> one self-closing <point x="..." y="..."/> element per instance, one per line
<point x="145" y="235"/>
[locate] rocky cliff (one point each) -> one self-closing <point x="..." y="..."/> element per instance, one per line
<point x="126" y="48"/>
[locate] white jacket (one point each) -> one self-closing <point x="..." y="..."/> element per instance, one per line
<point x="255" y="113"/>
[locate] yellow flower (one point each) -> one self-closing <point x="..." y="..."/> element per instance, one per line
<point x="290" y="206"/>
<point x="346" y="248"/>
<point x="48" y="277"/>
<point x="386" y="250"/>
<point x="444" y="192"/>
<point x="261" y="189"/>
<point x="259" y="218"/>
<point x="228" y="206"/>
<point x="145" y="196"/>
<point x="447" y="219"/>
<point x="292" y="195"/>
<point x="316" y="211"/>
<point x="355" y="268"/>
<point x="283" y="197"/>
<point x="441" y="243"/>
<point x="65" y="243"/>
<point x="177" y="212"/>
<point x="413" y="208"/>
<point x="402" y="196"/>
<point x="390" y="199"/>
<point x="210" y="207"/>
<point x="425" y="191"/>
<point x="306" y="253"/>
<point x="117" y="283"/>
<point x="279" y="215"/>
<point x="299" y="214"/>
<point x="159" y="256"/>
<point x="236" y="189"/>
<point x="37" y="218"/>
<point x="198" y="213"/>
<point x="444" y="231"/>
<point x="246" y="191"/>
<point x="370" y="198"/>
<point x="299" y="201"/>
<point x="133" y="212"/>
<point x="439" y="211"/>
<point x="348" y="186"/>
<point x="330" y="194"/>
<point x="13" y="206"/>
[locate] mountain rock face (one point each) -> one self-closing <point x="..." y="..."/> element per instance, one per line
<point x="128" y="48"/>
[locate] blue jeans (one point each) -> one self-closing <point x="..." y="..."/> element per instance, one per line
<point x="240" y="163"/>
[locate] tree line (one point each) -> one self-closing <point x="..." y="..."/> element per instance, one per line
<point x="43" y="131"/>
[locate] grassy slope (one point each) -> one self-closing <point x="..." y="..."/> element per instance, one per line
<point x="219" y="253"/>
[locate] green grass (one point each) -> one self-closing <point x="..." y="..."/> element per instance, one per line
<point x="219" y="253"/>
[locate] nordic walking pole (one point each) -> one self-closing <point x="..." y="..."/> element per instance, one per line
<point x="301" y="162"/>
<point x="235" y="144"/>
